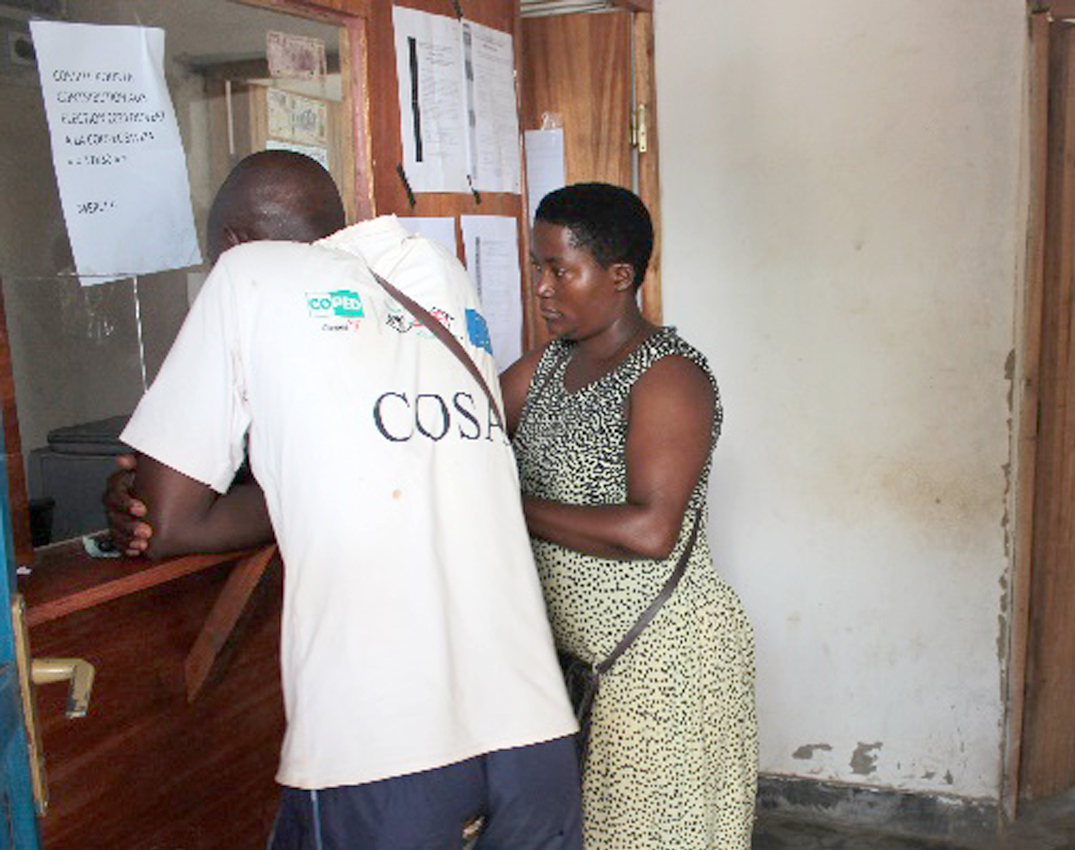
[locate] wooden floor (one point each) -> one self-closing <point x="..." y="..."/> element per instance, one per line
<point x="144" y="770"/>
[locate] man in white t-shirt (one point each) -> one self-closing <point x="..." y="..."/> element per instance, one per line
<point x="420" y="681"/>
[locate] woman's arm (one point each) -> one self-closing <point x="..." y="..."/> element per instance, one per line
<point x="669" y="433"/>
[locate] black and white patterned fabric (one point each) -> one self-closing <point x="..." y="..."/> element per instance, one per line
<point x="673" y="747"/>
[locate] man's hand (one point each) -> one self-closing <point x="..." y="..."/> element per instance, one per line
<point x="130" y="533"/>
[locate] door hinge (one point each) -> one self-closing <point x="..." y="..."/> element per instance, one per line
<point x="639" y="128"/>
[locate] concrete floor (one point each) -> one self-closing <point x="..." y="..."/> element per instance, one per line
<point x="1044" y="825"/>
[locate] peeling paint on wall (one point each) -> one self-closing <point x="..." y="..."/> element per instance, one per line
<point x="1005" y="520"/>
<point x="864" y="759"/>
<point x="806" y="751"/>
<point x="1004" y="615"/>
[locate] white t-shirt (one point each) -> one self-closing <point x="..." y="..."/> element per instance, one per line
<point x="414" y="630"/>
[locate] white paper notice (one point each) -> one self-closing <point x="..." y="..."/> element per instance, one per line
<point x="491" y="244"/>
<point x="438" y="229"/>
<point x="116" y="149"/>
<point x="544" y="165"/>
<point x="429" y="67"/>
<point x="492" y="110"/>
<point x="458" y="110"/>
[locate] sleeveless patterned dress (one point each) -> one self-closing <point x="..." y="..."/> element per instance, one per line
<point x="673" y="744"/>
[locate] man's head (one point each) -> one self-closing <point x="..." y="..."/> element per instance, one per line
<point x="274" y="195"/>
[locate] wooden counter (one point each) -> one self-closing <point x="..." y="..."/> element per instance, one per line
<point x="147" y="768"/>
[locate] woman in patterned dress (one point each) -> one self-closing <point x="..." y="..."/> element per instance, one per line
<point x="614" y="424"/>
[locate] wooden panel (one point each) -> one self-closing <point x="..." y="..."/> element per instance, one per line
<point x="358" y="181"/>
<point x="649" y="183"/>
<point x="18" y="495"/>
<point x="578" y="67"/>
<point x="1027" y="397"/>
<point x="1061" y="9"/>
<point x="348" y="7"/>
<point x="145" y="768"/>
<point x="223" y="617"/>
<point x="1048" y="747"/>
<point x="65" y="579"/>
<point x="329" y="10"/>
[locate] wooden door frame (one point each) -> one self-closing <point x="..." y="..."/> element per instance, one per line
<point x="1054" y="9"/>
<point x="1027" y="391"/>
<point x="649" y="182"/>
<point x="352" y="16"/>
<point x="1026" y="397"/>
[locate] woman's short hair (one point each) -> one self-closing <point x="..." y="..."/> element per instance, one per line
<point x="610" y="222"/>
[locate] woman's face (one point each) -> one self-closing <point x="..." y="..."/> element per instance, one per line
<point x="576" y="296"/>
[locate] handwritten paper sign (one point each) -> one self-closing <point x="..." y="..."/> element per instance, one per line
<point x="116" y="149"/>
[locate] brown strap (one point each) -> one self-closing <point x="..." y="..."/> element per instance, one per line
<point x="603" y="667"/>
<point x="444" y="335"/>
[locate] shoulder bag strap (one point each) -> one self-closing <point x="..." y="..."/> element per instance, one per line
<point x="603" y="667"/>
<point x="445" y="336"/>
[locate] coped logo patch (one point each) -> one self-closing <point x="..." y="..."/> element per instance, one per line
<point x="341" y="304"/>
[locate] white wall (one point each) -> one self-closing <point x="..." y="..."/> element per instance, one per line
<point x="842" y="236"/>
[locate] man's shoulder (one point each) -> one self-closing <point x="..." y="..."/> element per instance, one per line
<point x="266" y="261"/>
<point x="267" y="251"/>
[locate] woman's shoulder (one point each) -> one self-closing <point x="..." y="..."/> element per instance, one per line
<point x="671" y="365"/>
<point x="666" y="342"/>
<point x="667" y="339"/>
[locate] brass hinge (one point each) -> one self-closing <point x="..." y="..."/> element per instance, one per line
<point x="639" y="129"/>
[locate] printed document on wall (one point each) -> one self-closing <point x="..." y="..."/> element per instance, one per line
<point x="492" y="111"/>
<point x="491" y="243"/>
<point x="429" y="68"/>
<point x="440" y="229"/>
<point x="116" y="148"/>
<point x="544" y="165"/>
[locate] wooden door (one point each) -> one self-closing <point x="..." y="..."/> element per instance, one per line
<point x="1047" y="762"/>
<point x="592" y="74"/>
<point x="578" y="69"/>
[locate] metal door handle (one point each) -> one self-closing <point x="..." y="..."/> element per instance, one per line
<point x="74" y="670"/>
<point x="38" y="672"/>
